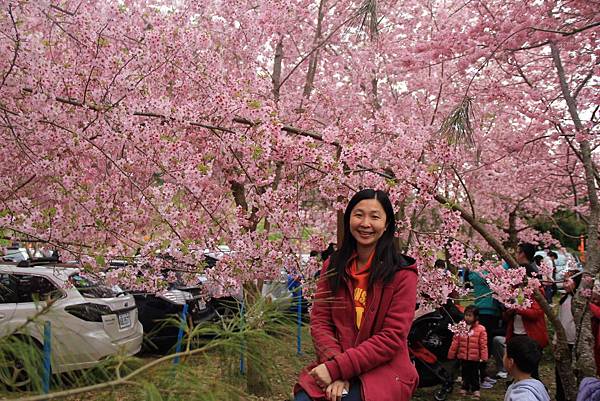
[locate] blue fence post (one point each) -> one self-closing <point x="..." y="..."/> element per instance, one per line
<point x="180" y="334"/>
<point x="47" y="356"/>
<point x="299" y="312"/>
<point x="243" y="348"/>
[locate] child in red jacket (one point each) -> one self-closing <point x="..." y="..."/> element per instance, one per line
<point x="470" y="350"/>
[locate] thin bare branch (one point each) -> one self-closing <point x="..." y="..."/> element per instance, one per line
<point x="462" y="183"/>
<point x="62" y="10"/>
<point x="581" y="85"/>
<point x="16" y="48"/>
<point x="568" y="33"/>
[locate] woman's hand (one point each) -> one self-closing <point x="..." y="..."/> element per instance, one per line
<point x="321" y="375"/>
<point x="336" y="389"/>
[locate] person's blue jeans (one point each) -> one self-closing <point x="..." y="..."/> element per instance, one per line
<point x="549" y="293"/>
<point x="353" y="395"/>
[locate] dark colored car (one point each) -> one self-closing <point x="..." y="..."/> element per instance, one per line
<point x="157" y="310"/>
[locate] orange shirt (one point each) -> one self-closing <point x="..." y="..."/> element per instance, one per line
<point x="360" y="281"/>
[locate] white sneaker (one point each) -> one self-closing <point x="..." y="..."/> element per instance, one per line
<point x="489" y="380"/>
<point x="486" y="385"/>
<point x="502" y="374"/>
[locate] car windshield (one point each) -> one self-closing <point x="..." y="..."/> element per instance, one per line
<point x="91" y="287"/>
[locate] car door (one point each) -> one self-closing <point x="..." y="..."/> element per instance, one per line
<point x="33" y="294"/>
<point x="7" y="303"/>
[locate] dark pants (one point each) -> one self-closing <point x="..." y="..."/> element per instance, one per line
<point x="353" y="395"/>
<point x="560" y="392"/>
<point x="470" y="375"/>
<point x="549" y="293"/>
<point x="493" y="327"/>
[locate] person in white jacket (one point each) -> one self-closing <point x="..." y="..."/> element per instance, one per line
<point x="565" y="315"/>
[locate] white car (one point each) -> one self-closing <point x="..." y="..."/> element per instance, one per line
<point x="564" y="262"/>
<point x="89" y="321"/>
<point x="278" y="290"/>
<point x="19" y="253"/>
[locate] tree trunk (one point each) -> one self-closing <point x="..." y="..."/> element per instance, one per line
<point x="256" y="380"/>
<point x="314" y="58"/>
<point x="277" y="65"/>
<point x="562" y="353"/>
<point x="513" y="239"/>
<point x="584" y="353"/>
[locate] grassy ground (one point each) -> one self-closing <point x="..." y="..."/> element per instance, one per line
<point x="426" y="394"/>
<point x="215" y="376"/>
<point x="289" y="375"/>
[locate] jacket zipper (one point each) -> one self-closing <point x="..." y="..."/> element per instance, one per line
<point x="350" y="287"/>
<point x="468" y="341"/>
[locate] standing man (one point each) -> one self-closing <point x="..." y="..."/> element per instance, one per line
<point x="529" y="321"/>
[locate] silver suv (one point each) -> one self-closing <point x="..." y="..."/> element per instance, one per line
<point x="89" y="321"/>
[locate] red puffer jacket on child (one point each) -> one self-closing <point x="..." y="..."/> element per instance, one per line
<point x="470" y="347"/>
<point x="595" y="309"/>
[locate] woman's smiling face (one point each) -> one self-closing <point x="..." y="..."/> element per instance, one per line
<point x="367" y="222"/>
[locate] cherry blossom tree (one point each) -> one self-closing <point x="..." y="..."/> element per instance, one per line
<point x="520" y="63"/>
<point x="135" y="127"/>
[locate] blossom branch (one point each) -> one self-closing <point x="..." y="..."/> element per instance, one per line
<point x="585" y="80"/>
<point x="135" y="185"/>
<point x="315" y="48"/>
<point x="17" y="41"/>
<point x="189" y="191"/>
<point x="18" y="188"/>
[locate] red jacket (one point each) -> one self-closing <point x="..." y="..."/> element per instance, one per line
<point x="595" y="309"/>
<point x="377" y="353"/>
<point x="534" y="322"/>
<point x="471" y="347"/>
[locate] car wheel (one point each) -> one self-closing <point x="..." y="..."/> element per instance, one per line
<point x="226" y="308"/>
<point x="14" y="376"/>
<point x="440" y="395"/>
<point x="20" y="360"/>
<point x="225" y="313"/>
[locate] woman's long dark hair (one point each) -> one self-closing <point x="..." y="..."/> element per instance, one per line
<point x="386" y="259"/>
